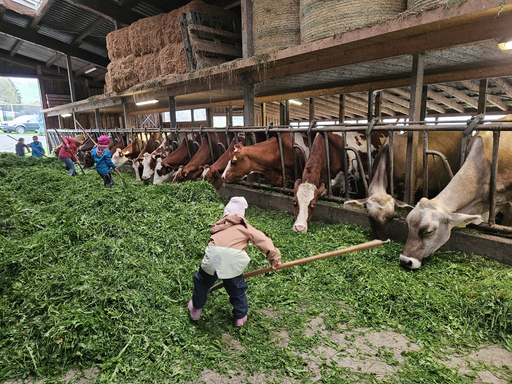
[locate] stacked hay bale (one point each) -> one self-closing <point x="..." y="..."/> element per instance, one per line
<point x="422" y="5"/>
<point x="151" y="47"/>
<point x="276" y="25"/>
<point x="324" y="18"/>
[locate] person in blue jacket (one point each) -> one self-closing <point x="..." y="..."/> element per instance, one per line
<point x="38" y="146"/>
<point x="103" y="160"/>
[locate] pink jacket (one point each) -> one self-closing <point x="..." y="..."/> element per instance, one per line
<point x="64" y="153"/>
<point x="233" y="231"/>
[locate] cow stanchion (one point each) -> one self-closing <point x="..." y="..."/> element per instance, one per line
<point x="354" y="248"/>
<point x="28" y="146"/>
<point x="69" y="149"/>
<point x="95" y="143"/>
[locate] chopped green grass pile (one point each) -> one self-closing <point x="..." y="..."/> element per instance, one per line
<point x="95" y="277"/>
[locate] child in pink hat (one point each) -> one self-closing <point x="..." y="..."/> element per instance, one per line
<point x="225" y="258"/>
<point x="103" y="160"/>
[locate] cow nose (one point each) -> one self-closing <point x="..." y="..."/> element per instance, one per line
<point x="145" y="177"/>
<point x="300" y="228"/>
<point x="406" y="263"/>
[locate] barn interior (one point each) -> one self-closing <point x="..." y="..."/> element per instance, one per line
<point x="124" y="64"/>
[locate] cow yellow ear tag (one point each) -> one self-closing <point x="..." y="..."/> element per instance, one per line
<point x="234" y="158"/>
<point x="462" y="224"/>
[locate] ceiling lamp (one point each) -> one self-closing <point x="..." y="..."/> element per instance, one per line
<point x="65" y="115"/>
<point x="296" y="102"/>
<point x="146" y="102"/>
<point x="505" y="43"/>
<point x="90" y="70"/>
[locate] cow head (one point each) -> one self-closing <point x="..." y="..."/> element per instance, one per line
<point x="212" y="176"/>
<point x="148" y="166"/>
<point x="180" y="176"/>
<point x="162" y="172"/>
<point x="381" y="211"/>
<point x="238" y="167"/>
<point x="137" y="167"/>
<point x="119" y="158"/>
<point x="304" y="201"/>
<point x="430" y="224"/>
<point x="88" y="160"/>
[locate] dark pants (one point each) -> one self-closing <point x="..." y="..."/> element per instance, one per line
<point x="108" y="180"/>
<point x="70" y="166"/>
<point x="235" y="288"/>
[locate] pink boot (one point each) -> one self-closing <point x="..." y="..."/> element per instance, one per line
<point x="195" y="314"/>
<point x="240" y="322"/>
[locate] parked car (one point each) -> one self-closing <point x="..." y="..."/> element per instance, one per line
<point x="21" y="124"/>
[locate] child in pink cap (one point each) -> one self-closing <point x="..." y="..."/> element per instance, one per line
<point x="225" y="258"/>
<point x="103" y="160"/>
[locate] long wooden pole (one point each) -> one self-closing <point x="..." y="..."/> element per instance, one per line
<point x="354" y="248"/>
<point x="95" y="143"/>
<point x="69" y="149"/>
<point x="28" y="146"/>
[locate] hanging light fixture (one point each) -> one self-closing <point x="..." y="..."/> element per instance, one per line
<point x="505" y="43"/>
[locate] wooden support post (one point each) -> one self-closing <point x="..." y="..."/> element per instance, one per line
<point x="229" y="116"/>
<point x="378" y="106"/>
<point x="70" y="79"/>
<point x="263" y="114"/>
<point x="97" y="118"/>
<point x="247" y="39"/>
<point x="341" y="116"/>
<point x="418" y="67"/>
<point x="482" y="96"/>
<point x="248" y="85"/>
<point x="423" y="114"/>
<point x="192" y="118"/>
<point x="371" y="95"/>
<point x="125" y="114"/>
<point x="172" y="111"/>
<point x="311" y="109"/>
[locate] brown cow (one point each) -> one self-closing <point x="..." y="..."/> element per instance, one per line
<point x="131" y="151"/>
<point x="203" y="156"/>
<point x="379" y="205"/>
<point x="213" y="173"/>
<point x="312" y="185"/>
<point x="264" y="158"/>
<point x="166" y="168"/>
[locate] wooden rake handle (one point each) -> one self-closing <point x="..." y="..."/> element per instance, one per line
<point x="70" y="151"/>
<point x="354" y="248"/>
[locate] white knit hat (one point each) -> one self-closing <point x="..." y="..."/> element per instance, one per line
<point x="237" y="205"/>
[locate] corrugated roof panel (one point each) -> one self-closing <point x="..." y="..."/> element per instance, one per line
<point x="54" y="34"/>
<point x="68" y="18"/>
<point x="146" y="9"/>
<point x="94" y="49"/>
<point x="16" y="18"/>
<point x="35" y="51"/>
<point x="6" y="41"/>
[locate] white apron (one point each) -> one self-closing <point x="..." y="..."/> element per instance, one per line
<point x="227" y="262"/>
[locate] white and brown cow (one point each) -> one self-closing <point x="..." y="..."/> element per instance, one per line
<point x="165" y="169"/>
<point x="213" y="173"/>
<point x="131" y="151"/>
<point x="203" y="156"/>
<point x="465" y="200"/>
<point x="150" y="159"/>
<point x="380" y="206"/>
<point x="314" y="178"/>
<point x="264" y="158"/>
<point x="150" y="145"/>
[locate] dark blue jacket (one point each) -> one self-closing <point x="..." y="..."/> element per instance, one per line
<point x="103" y="163"/>
<point x="39" y="148"/>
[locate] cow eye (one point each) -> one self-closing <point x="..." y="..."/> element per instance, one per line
<point x="428" y="232"/>
<point x="312" y="205"/>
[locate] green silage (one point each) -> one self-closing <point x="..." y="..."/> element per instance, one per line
<point x="95" y="277"/>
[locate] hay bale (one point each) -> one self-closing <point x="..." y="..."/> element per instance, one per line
<point x="118" y="44"/>
<point x="423" y="5"/>
<point x="146" y="35"/>
<point x="108" y="83"/>
<point x="324" y="18"/>
<point x="123" y="73"/>
<point x="173" y="60"/>
<point x="148" y="67"/>
<point x="276" y="25"/>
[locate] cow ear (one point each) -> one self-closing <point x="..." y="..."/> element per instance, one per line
<point x="355" y="205"/>
<point x="320" y="189"/>
<point x="238" y="146"/>
<point x="461" y="219"/>
<point x="403" y="208"/>
<point x="297" y="183"/>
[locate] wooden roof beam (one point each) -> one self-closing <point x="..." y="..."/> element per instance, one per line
<point x="491" y="98"/>
<point x="458" y="94"/>
<point x="503" y="85"/>
<point x="15" y="48"/>
<point x="430" y="104"/>
<point x="34" y="24"/>
<point x="89" y="30"/>
<point x="36" y="38"/>
<point x="53" y="59"/>
<point x="446" y="101"/>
